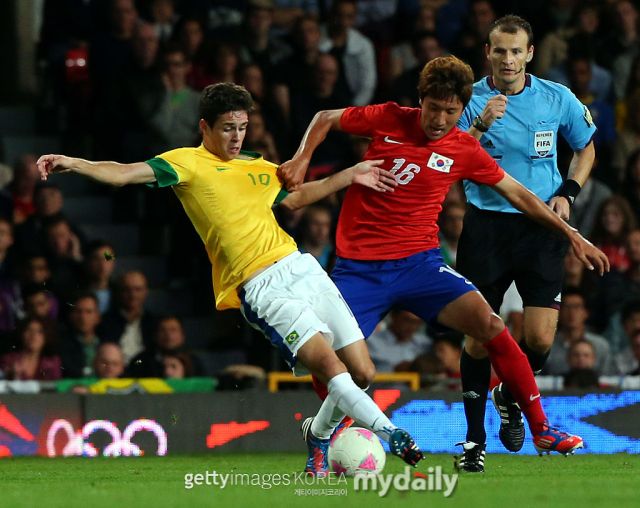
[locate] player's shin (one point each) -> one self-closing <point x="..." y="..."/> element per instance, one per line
<point x="475" y="375"/>
<point x="512" y="367"/>
<point x="328" y="418"/>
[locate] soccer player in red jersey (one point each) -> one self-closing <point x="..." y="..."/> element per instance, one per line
<point x="387" y="246"/>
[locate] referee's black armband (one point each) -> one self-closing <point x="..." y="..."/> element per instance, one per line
<point x="570" y="190"/>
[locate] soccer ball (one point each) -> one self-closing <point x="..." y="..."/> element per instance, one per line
<point x="356" y="450"/>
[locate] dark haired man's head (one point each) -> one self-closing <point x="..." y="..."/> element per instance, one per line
<point x="84" y="315"/>
<point x="224" y="109"/>
<point x="425" y="47"/>
<point x="47" y="199"/>
<point x="36" y="300"/>
<point x="445" y="88"/>
<point x="170" y="335"/>
<point x="509" y="49"/>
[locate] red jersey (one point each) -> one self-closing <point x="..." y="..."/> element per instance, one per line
<point x="379" y="226"/>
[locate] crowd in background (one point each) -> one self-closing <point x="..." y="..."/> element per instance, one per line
<point x="120" y="79"/>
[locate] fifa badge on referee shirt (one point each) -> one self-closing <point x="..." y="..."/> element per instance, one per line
<point x="440" y="163"/>
<point x="292" y="337"/>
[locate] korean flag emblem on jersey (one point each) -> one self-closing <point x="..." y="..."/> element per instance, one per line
<point x="543" y="142"/>
<point x="440" y="163"/>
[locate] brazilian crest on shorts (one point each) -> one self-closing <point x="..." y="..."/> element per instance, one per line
<point x="292" y="337"/>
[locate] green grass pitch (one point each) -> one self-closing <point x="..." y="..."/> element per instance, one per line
<point x="513" y="481"/>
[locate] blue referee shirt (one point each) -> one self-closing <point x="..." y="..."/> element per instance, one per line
<point x="524" y="141"/>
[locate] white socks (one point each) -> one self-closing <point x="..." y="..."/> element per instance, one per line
<point x="328" y="418"/>
<point x="346" y="396"/>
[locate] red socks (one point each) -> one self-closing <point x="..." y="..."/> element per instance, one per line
<point x="513" y="369"/>
<point x="320" y="388"/>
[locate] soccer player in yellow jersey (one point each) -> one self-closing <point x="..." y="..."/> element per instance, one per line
<point x="228" y="195"/>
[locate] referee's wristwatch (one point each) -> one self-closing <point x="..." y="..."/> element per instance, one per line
<point x="478" y="125"/>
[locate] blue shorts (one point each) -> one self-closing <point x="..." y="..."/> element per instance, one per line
<point x="421" y="284"/>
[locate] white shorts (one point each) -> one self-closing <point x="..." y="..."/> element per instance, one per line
<point x="293" y="300"/>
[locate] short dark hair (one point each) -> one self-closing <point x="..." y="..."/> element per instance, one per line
<point x="446" y="77"/>
<point x="221" y="98"/>
<point x="33" y="288"/>
<point x="81" y="295"/>
<point x="510" y="24"/>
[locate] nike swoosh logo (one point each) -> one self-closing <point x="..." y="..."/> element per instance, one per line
<point x="388" y="140"/>
<point x="532" y="398"/>
<point x="222" y="169"/>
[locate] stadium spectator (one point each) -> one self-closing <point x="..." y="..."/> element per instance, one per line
<point x="571" y="329"/>
<point x="354" y="53"/>
<point x="22" y="187"/>
<point x="425" y="47"/>
<point x="128" y="323"/>
<point x="441" y="366"/>
<point x="80" y="343"/>
<point x="628" y="140"/>
<point x="214" y="63"/>
<point x="614" y="221"/>
<point x="259" y="139"/>
<point x="99" y="263"/>
<point x="111" y="50"/>
<point x="7" y="259"/>
<point x="600" y="82"/>
<point x="554" y="47"/>
<point x="163" y="17"/>
<point x="402" y="57"/>
<point x="632" y="88"/>
<point x="39" y="302"/>
<point x="177" y="365"/>
<point x="316" y="237"/>
<point x="581" y="355"/>
<point x="586" y="204"/>
<point x="634" y="339"/>
<point x="169" y="339"/>
<point x="48" y="202"/>
<point x="175" y="119"/>
<point x="473" y="37"/>
<point x="65" y="257"/>
<point x="631" y="186"/>
<point x="621" y="46"/>
<point x="450" y="223"/>
<point x="258" y="46"/>
<point x="295" y="74"/>
<point x="396" y="347"/>
<point x="287" y="13"/>
<point x="321" y="96"/>
<point x="108" y="362"/>
<point x="576" y="275"/>
<point x="252" y="78"/>
<point x="580" y="74"/>
<point x="622" y="325"/>
<point x="35" y="358"/>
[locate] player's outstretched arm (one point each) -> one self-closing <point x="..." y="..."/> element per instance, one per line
<point x="367" y="173"/>
<point x="293" y="171"/>
<point x="533" y="207"/>
<point x="111" y="173"/>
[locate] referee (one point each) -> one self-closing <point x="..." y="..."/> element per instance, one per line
<point x="517" y="118"/>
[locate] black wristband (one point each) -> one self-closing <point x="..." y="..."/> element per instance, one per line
<point x="570" y="190"/>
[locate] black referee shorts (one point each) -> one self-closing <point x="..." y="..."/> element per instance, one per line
<point x="497" y="248"/>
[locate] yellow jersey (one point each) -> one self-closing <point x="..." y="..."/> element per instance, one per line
<point x="229" y="203"/>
